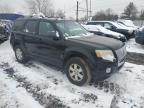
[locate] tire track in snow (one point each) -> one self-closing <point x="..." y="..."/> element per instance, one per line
<point x="48" y="101"/>
<point x="43" y="98"/>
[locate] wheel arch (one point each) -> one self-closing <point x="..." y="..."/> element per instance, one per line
<point x="84" y="54"/>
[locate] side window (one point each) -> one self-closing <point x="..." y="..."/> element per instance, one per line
<point x="90" y="23"/>
<point x="31" y="27"/>
<point x="101" y="24"/>
<point x="108" y="26"/>
<point x="18" y="25"/>
<point x="46" y="28"/>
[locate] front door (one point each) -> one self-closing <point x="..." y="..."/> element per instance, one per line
<point x="50" y="49"/>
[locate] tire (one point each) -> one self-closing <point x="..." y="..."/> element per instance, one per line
<point x="78" y="71"/>
<point x="19" y="54"/>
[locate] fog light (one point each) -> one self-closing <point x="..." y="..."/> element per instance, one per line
<point x="108" y="70"/>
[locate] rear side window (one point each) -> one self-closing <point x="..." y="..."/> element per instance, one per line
<point x="31" y="27"/>
<point x="91" y="23"/>
<point x="95" y="23"/>
<point x="108" y="26"/>
<point x="18" y="25"/>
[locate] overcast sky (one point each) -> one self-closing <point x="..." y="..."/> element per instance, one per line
<point x="70" y="5"/>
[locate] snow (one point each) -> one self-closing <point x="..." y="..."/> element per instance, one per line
<point x="132" y="46"/>
<point x="126" y="27"/>
<point x="141" y="29"/>
<point x="131" y="78"/>
<point x="128" y="23"/>
<point x="11" y="96"/>
<point x="44" y="77"/>
<point x="50" y="81"/>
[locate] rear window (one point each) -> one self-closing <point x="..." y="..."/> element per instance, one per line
<point x="18" y="25"/>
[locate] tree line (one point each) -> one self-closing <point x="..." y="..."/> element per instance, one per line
<point x="45" y="7"/>
<point x="130" y="12"/>
<point x="35" y="7"/>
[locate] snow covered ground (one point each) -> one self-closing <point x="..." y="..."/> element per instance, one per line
<point x="132" y="46"/>
<point x="37" y="85"/>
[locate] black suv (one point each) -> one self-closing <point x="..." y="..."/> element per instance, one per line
<point x="67" y="44"/>
<point x="129" y="32"/>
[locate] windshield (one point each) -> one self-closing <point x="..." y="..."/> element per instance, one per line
<point x="71" y="28"/>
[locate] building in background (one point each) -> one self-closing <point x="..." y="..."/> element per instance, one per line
<point x="9" y="16"/>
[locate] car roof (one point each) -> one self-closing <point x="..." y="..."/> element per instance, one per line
<point x="42" y="19"/>
<point x="101" y="21"/>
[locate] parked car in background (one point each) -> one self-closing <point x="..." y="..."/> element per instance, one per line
<point x="66" y="44"/>
<point x="140" y="36"/>
<point x="8" y="25"/>
<point x="3" y="33"/>
<point x="128" y="23"/>
<point x="99" y="30"/>
<point x="5" y="29"/>
<point x="114" y="26"/>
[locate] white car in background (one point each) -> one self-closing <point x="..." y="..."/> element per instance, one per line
<point x="128" y="23"/>
<point x="99" y="30"/>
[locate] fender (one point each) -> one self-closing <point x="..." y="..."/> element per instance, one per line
<point x="80" y="52"/>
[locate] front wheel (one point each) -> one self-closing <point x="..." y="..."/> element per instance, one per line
<point x="20" y="56"/>
<point x="78" y="71"/>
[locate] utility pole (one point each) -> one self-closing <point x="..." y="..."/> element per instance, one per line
<point x="87" y="9"/>
<point x="90" y="9"/>
<point x="77" y="10"/>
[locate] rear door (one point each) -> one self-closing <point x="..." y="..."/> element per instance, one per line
<point x="30" y="40"/>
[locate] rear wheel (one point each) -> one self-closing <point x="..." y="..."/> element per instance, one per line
<point x="78" y="71"/>
<point x="20" y="56"/>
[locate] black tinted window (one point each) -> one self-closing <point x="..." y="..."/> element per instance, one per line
<point x="18" y="25"/>
<point x="90" y="23"/>
<point x="45" y="28"/>
<point x="31" y="27"/>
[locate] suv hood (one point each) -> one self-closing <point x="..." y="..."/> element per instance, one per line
<point x="96" y="41"/>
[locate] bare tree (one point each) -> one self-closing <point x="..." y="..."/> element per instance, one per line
<point x="40" y="6"/>
<point x="105" y="15"/>
<point x="60" y="14"/>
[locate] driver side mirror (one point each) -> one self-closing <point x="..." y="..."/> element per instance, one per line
<point x="113" y="28"/>
<point x="55" y="35"/>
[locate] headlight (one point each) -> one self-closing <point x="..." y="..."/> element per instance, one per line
<point x="105" y="54"/>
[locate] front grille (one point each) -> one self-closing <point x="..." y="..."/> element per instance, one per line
<point x="121" y="53"/>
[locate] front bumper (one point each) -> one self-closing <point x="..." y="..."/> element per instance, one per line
<point x="105" y="69"/>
